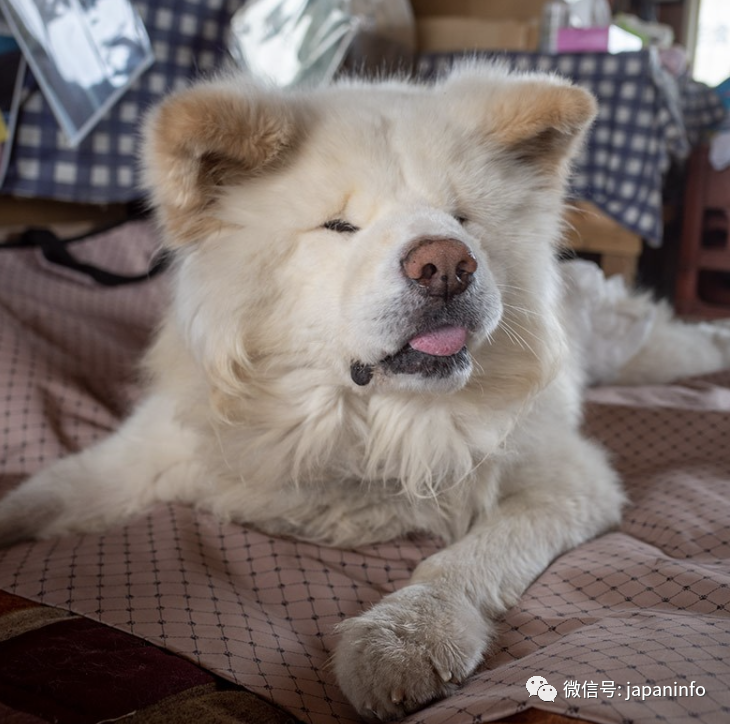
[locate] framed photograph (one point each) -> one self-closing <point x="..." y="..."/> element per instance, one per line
<point x="83" y="53"/>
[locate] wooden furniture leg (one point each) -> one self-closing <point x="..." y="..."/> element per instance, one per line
<point x="706" y="209"/>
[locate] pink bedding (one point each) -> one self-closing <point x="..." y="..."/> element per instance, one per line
<point x="644" y="607"/>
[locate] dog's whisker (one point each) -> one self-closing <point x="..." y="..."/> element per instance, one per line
<point x="516" y="337"/>
<point x="523" y="310"/>
<point x="514" y="323"/>
<point x="512" y="335"/>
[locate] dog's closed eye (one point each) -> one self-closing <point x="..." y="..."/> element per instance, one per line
<point x="461" y="219"/>
<point x="340" y="226"/>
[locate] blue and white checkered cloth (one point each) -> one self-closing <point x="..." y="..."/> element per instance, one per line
<point x="641" y="125"/>
<point x="188" y="39"/>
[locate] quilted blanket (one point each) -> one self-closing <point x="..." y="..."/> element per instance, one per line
<point x="633" y="626"/>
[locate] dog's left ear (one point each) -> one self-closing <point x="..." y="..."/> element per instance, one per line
<point x="537" y="117"/>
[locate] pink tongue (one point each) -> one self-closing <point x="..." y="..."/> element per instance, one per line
<point x="441" y="342"/>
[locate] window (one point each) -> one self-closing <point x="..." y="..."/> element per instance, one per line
<point x="712" y="47"/>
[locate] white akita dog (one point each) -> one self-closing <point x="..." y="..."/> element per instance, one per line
<point x="365" y="340"/>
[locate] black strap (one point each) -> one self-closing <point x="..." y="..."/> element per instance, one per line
<point x="56" y="251"/>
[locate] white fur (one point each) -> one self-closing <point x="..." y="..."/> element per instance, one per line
<point x="252" y="412"/>
<point x="625" y="337"/>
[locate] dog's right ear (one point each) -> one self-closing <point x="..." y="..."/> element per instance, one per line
<point x="205" y="138"/>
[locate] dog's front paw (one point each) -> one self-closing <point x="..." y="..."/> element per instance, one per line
<point x="414" y="646"/>
<point x="26" y="512"/>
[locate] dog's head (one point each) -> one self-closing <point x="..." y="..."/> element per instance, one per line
<point x="379" y="237"/>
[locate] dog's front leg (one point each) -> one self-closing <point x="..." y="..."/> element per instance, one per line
<point x="419" y="643"/>
<point x="149" y="459"/>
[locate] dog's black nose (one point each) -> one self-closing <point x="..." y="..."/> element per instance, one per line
<point x="442" y="267"/>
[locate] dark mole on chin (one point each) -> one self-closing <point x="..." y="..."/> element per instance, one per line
<point x="361" y="373"/>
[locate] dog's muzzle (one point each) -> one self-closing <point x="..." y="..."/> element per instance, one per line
<point x="439" y="270"/>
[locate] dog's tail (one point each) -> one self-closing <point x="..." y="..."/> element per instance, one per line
<point x="627" y="337"/>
